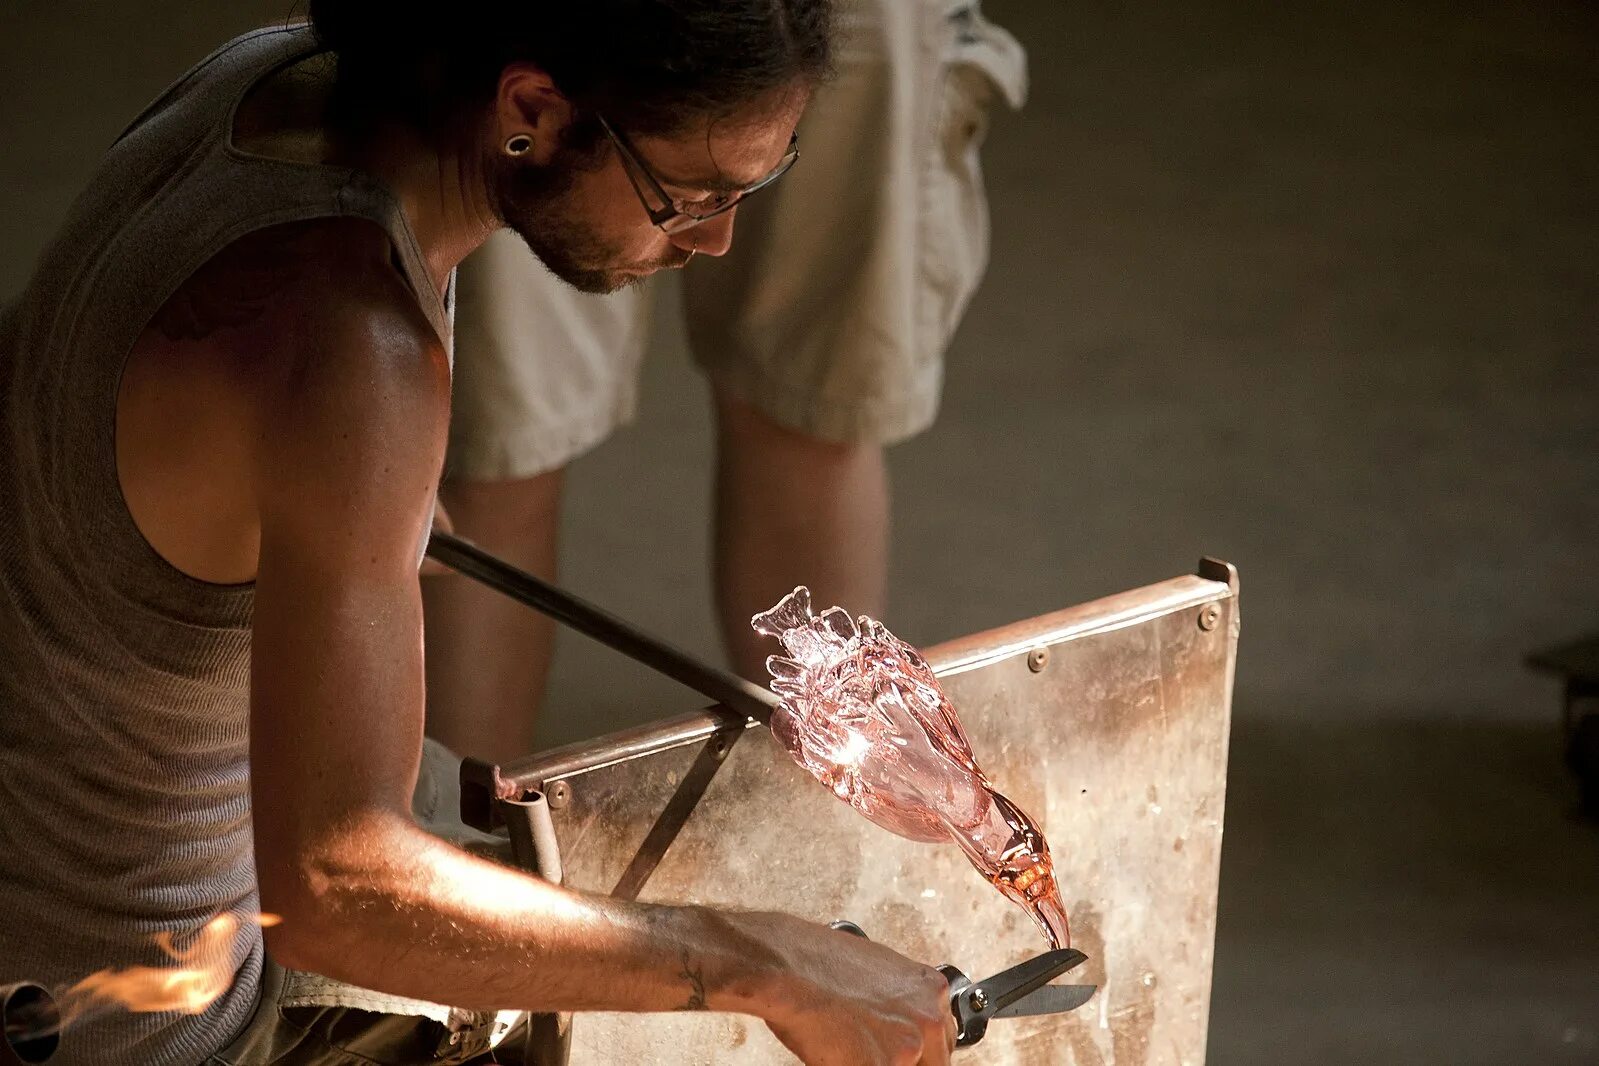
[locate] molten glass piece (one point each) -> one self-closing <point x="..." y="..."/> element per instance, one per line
<point x="863" y="713"/>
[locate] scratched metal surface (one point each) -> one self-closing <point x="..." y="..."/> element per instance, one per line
<point x="1118" y="745"/>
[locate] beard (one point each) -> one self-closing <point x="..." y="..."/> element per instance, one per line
<point x="538" y="203"/>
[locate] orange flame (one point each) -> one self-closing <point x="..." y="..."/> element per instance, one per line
<point x="203" y="972"/>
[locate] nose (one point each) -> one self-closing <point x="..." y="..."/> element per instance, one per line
<point x="714" y="236"/>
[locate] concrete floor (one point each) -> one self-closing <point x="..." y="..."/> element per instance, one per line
<point x="1311" y="287"/>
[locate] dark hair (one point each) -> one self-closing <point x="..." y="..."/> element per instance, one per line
<point x="652" y="66"/>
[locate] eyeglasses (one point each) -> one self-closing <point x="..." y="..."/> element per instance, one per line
<point x="674" y="214"/>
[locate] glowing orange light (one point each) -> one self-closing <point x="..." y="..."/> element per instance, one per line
<point x="203" y="972"/>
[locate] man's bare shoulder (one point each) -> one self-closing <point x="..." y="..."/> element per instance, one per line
<point x="334" y="342"/>
<point x="314" y="305"/>
<point x="349" y="388"/>
<point x="295" y="361"/>
<point x="327" y="272"/>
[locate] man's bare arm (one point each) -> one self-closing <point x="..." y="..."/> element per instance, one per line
<point x="352" y="434"/>
<point x="352" y="445"/>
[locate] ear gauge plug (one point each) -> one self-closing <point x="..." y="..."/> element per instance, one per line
<point x="520" y="144"/>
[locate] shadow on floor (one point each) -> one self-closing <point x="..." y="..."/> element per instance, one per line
<point x="1405" y="892"/>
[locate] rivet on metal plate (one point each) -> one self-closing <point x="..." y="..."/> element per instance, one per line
<point x="978" y="999"/>
<point x="559" y="794"/>
<point x="1209" y="616"/>
<point x="1037" y="659"/>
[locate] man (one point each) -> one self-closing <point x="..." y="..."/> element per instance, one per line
<point x="225" y="406"/>
<point x="820" y="332"/>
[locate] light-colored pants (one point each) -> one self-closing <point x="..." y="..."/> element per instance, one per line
<point x="845" y="282"/>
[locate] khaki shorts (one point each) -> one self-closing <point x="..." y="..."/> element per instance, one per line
<point x="304" y="1019"/>
<point x="845" y="282"/>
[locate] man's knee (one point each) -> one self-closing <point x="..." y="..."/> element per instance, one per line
<point x="743" y="425"/>
<point x="493" y="511"/>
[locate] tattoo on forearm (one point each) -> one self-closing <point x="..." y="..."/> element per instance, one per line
<point x="694" y="975"/>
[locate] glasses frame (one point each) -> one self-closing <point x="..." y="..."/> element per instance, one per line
<point x="670" y="218"/>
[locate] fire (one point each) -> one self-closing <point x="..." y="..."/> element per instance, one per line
<point x="203" y="971"/>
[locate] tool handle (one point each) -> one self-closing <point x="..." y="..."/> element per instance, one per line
<point x="971" y="1022"/>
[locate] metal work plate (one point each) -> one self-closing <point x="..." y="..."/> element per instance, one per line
<point x="1114" y="736"/>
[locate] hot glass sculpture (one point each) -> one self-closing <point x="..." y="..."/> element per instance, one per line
<point x="862" y="712"/>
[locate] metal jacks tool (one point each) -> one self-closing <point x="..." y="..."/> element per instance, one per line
<point x="723" y="686"/>
<point x="1021" y="991"/>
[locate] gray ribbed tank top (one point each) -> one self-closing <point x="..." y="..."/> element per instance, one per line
<point x="124" y="684"/>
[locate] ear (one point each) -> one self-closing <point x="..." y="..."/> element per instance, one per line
<point x="528" y="103"/>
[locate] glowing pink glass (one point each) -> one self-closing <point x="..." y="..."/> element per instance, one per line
<point x="863" y="713"/>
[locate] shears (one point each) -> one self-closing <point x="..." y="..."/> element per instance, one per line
<point x="1021" y="991"/>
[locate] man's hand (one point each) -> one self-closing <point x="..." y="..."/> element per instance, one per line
<point x="850" y="1002"/>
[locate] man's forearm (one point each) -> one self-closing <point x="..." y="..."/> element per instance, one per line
<point x="397" y="910"/>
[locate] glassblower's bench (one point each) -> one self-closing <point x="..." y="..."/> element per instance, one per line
<point x="1108" y="720"/>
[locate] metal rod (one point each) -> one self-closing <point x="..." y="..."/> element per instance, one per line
<point x="547" y="1040"/>
<point x="723" y="686"/>
<point x="669" y="823"/>
<point x="533" y="842"/>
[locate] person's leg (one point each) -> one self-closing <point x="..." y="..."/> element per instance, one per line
<point x="792" y="509"/>
<point x="488" y="656"/>
<point x="824" y="327"/>
<point x="542" y="373"/>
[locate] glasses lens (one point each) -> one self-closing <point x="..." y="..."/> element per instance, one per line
<point x="777" y="172"/>
<point x="690" y="215"/>
<point x="712" y="207"/>
<point x="680" y="222"/>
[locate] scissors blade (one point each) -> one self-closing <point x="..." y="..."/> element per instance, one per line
<point x="1051" y="999"/>
<point x="1009" y="986"/>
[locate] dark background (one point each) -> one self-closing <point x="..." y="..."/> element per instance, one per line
<point x="1310" y="287"/>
